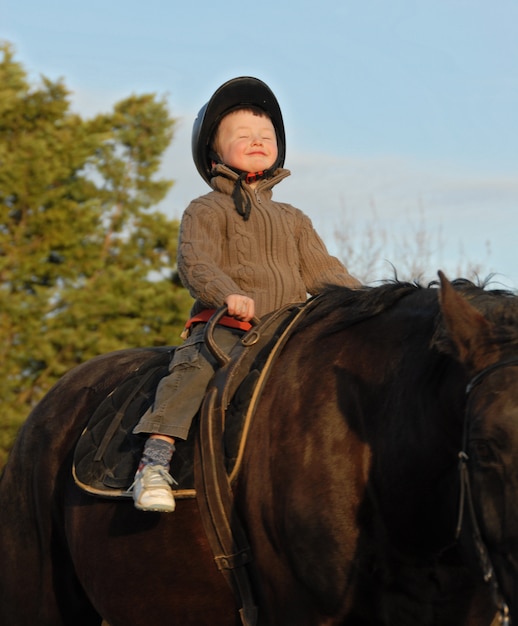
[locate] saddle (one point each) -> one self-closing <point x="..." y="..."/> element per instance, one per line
<point x="107" y="454"/>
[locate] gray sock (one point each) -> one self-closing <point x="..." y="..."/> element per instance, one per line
<point x="157" y="452"/>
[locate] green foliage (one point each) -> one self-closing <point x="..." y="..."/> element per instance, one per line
<point x="85" y="263"/>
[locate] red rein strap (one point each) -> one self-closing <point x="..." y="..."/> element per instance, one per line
<point x="226" y="320"/>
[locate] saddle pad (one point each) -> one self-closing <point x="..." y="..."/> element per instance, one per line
<point x="107" y="454"/>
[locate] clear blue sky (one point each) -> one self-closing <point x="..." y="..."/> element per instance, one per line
<point x="396" y="111"/>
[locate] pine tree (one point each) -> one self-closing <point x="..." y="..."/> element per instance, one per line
<point x="85" y="261"/>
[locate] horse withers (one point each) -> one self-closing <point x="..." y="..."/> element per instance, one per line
<point x="349" y="489"/>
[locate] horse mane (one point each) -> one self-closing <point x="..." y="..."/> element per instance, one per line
<point x="344" y="307"/>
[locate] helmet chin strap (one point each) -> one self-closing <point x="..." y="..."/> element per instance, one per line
<point x="253" y="177"/>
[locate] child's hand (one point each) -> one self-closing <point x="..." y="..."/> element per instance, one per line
<point x="240" y="307"/>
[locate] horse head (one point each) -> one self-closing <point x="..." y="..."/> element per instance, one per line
<point x="485" y="340"/>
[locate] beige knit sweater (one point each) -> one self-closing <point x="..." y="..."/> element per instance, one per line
<point x="275" y="257"/>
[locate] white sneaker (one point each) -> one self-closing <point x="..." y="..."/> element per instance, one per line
<point x="152" y="489"/>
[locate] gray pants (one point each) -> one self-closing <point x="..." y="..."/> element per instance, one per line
<point x="179" y="395"/>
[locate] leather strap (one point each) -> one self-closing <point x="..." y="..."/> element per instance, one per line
<point x="213" y="487"/>
<point x="226" y="320"/>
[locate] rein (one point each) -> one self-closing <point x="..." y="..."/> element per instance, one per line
<point x="466" y="498"/>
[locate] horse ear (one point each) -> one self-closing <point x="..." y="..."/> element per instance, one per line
<point x="469" y="331"/>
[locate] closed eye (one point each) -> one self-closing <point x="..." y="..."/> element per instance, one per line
<point x="482" y="452"/>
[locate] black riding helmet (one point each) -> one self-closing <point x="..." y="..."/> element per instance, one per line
<point x="234" y="94"/>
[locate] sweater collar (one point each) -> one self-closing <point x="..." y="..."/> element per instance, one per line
<point x="235" y="185"/>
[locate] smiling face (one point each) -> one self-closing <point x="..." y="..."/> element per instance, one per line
<point x="246" y="140"/>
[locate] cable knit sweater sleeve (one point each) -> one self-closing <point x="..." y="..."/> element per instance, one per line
<point x="200" y="255"/>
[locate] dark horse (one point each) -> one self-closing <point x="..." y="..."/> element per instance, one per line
<point x="349" y="490"/>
